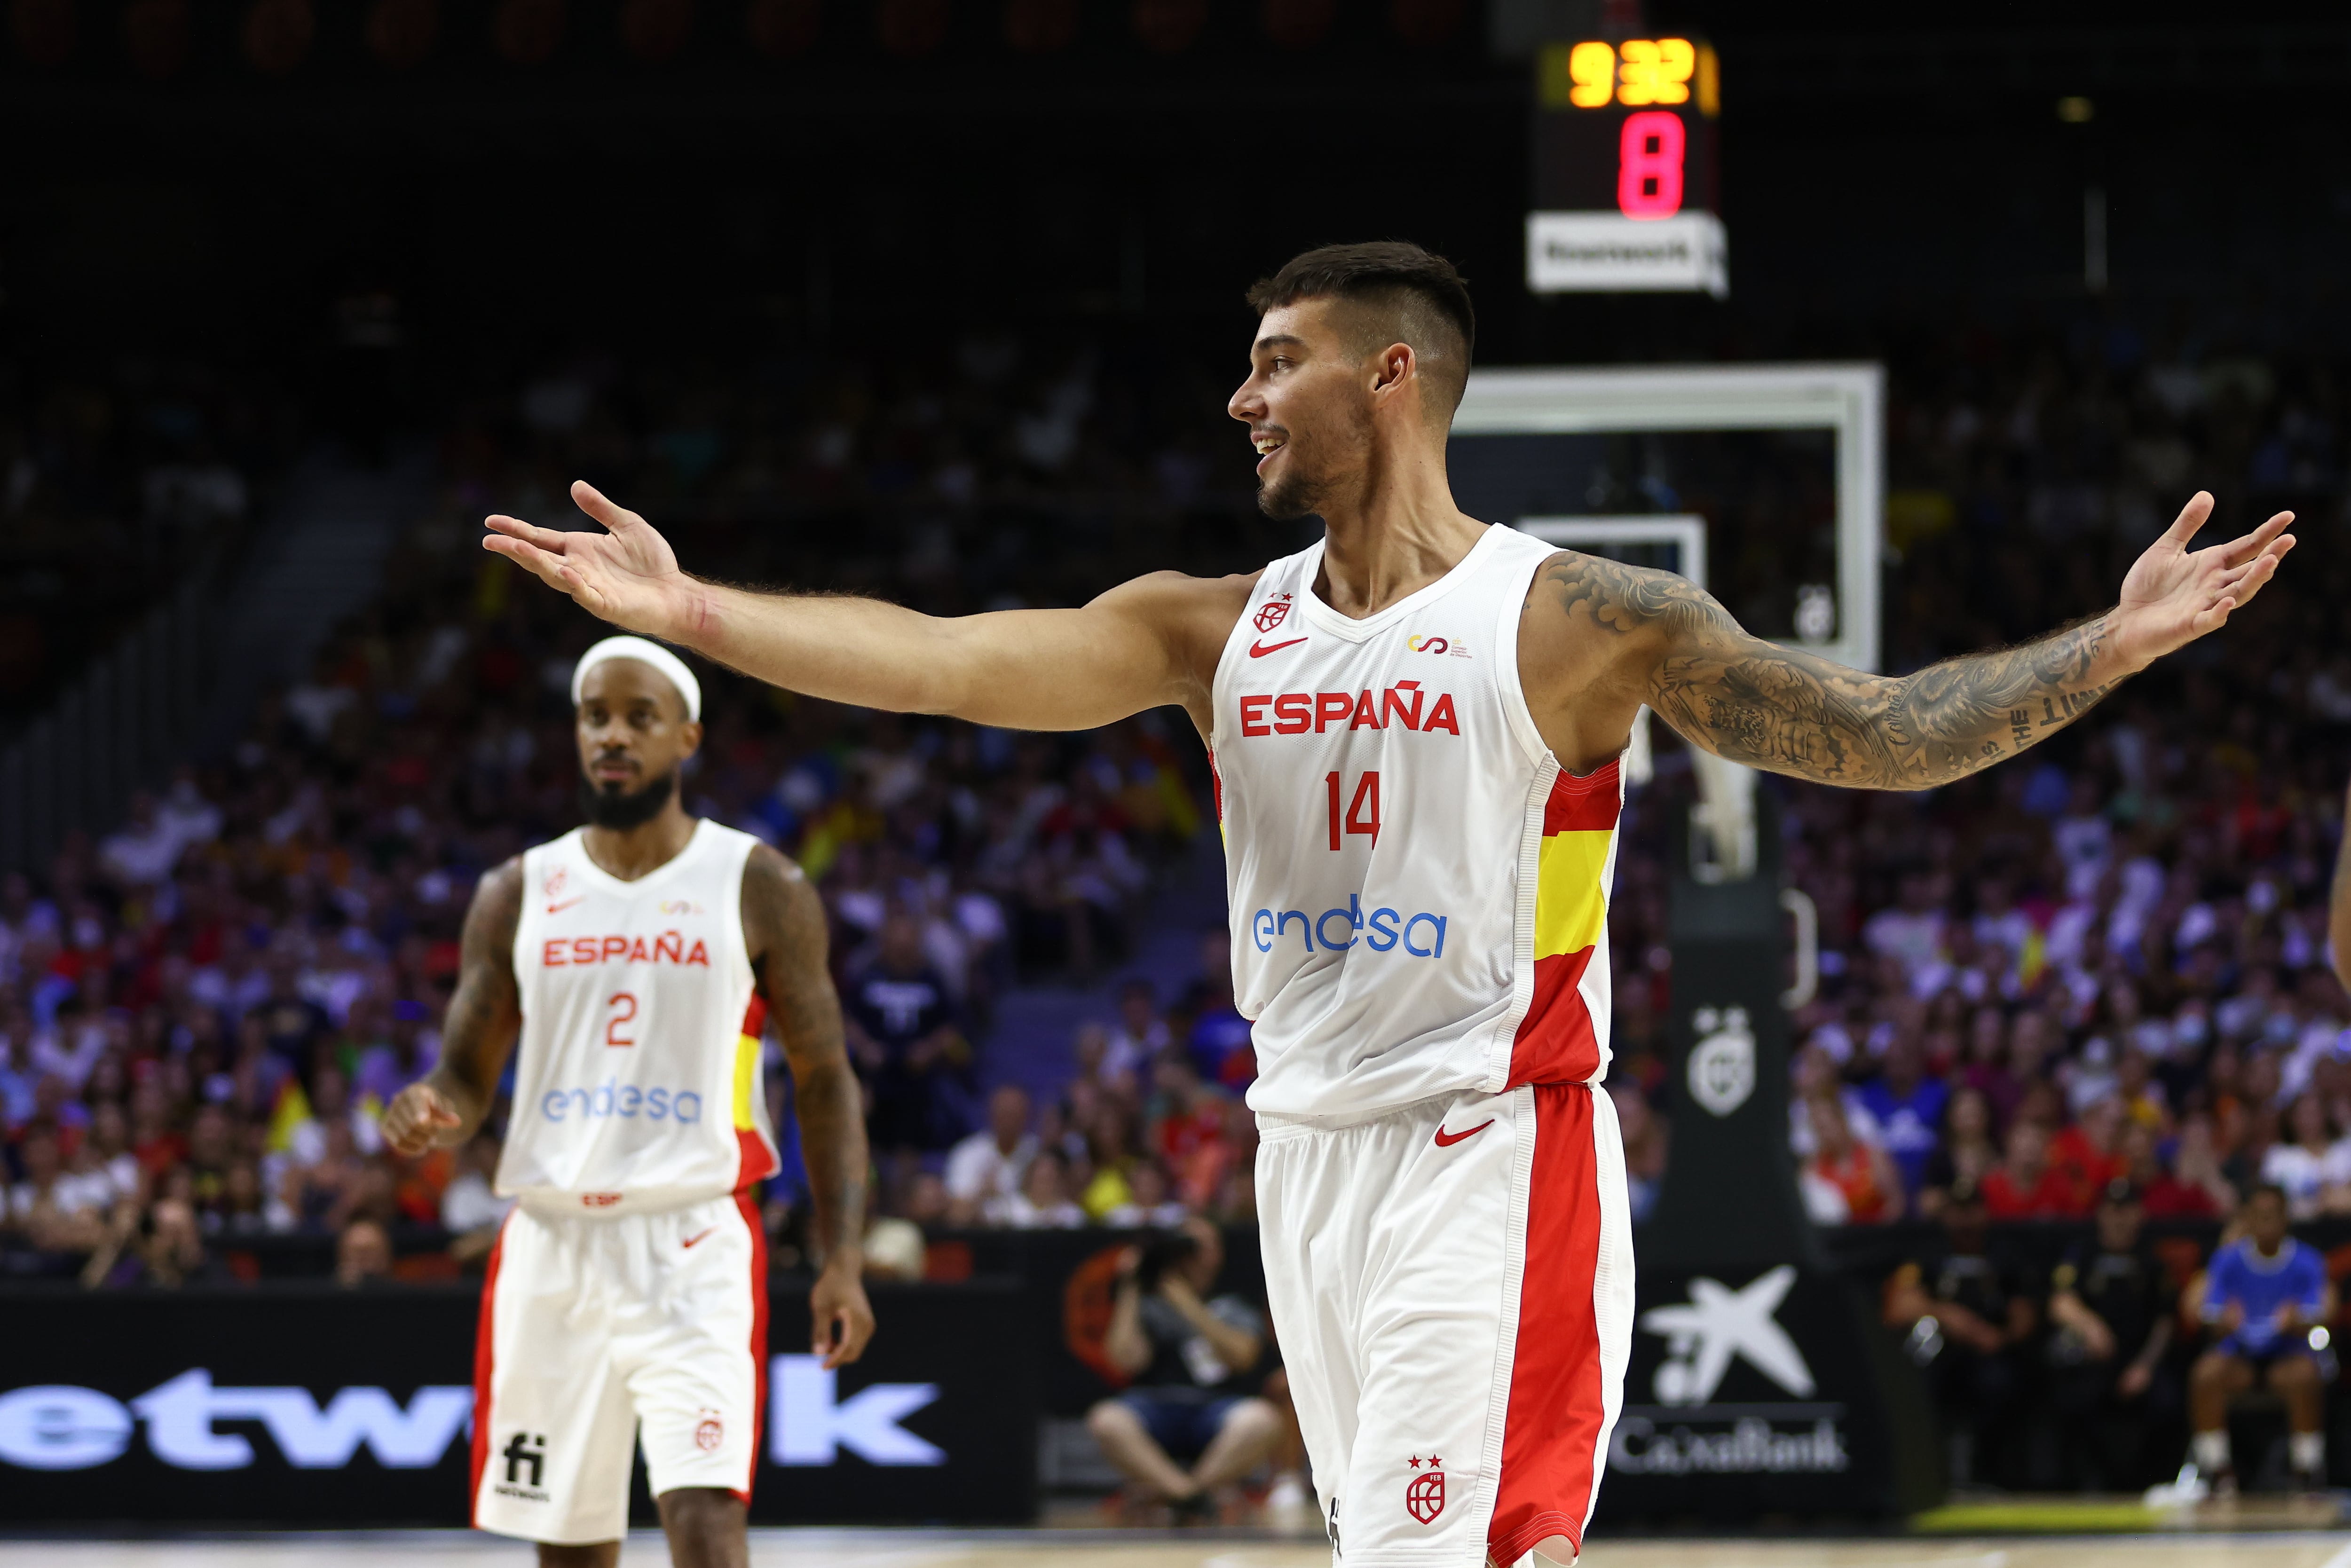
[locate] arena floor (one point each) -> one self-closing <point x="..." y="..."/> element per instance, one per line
<point x="942" y="1549"/>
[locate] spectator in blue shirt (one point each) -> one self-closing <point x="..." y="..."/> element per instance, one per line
<point x="2263" y="1295"/>
<point x="1909" y="1107"/>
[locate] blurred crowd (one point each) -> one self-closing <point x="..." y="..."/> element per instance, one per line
<point x="204" y="1013"/>
<point x="114" y="485"/>
<point x="2106" y="960"/>
<point x="2109" y="957"/>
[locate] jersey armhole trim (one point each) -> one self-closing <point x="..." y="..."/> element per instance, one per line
<point x="1509" y="620"/>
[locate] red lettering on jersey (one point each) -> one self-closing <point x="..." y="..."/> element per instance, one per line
<point x="1330" y="708"/>
<point x="1293" y="713"/>
<point x="1393" y="705"/>
<point x="1441" y="715"/>
<point x="1253" y="716"/>
<point x="600" y="1200"/>
<point x="637" y="954"/>
<point x="583" y="949"/>
<point x="618" y="947"/>
<point x="701" y="954"/>
<point x="1367" y="716"/>
<point x="669" y="945"/>
<point x="553" y="957"/>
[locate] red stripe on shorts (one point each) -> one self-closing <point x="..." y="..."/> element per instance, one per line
<point x="485" y="1362"/>
<point x="750" y="1207"/>
<point x="1551" y="1432"/>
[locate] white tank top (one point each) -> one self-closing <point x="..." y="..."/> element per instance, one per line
<point x="1419" y="892"/>
<point x="637" y="1083"/>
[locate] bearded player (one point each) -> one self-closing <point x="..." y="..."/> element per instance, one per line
<point x="639" y="958"/>
<point x="1415" y="725"/>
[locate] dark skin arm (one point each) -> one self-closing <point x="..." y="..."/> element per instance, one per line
<point x="446" y="1106"/>
<point x="784" y="927"/>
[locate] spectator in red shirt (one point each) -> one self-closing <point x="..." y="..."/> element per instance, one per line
<point x="2089" y="1152"/>
<point x="2025" y="1185"/>
<point x="1864" y="1177"/>
<point x="2166" y="1195"/>
<point x="1186" y="1114"/>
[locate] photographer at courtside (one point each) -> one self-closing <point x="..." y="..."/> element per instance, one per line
<point x="1188" y="1355"/>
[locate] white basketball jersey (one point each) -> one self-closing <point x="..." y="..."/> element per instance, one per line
<point x="637" y="1082"/>
<point x="1419" y="892"/>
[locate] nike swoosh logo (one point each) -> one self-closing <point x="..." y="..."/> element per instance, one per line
<point x="1260" y="650"/>
<point x="692" y="1240"/>
<point x="559" y="908"/>
<point x="1446" y="1140"/>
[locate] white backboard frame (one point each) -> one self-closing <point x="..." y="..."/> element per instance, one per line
<point x="1686" y="531"/>
<point x="1846" y="399"/>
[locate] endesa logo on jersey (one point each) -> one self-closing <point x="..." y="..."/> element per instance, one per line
<point x="1335" y="930"/>
<point x="1295" y="713"/>
<point x="626" y="1100"/>
<point x="1433" y="645"/>
<point x="669" y="948"/>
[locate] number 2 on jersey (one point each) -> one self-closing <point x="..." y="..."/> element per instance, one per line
<point x="625" y="1008"/>
<point x="1363" y="811"/>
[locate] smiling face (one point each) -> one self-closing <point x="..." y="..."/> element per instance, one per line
<point x="1308" y="405"/>
<point x="632" y="733"/>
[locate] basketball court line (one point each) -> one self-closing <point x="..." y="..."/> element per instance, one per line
<point x="1004" y="1549"/>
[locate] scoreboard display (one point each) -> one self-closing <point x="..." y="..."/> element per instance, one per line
<point x="1625" y="167"/>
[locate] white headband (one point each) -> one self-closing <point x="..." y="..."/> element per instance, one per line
<point x="652" y="653"/>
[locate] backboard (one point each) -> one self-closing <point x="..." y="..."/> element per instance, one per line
<point x="1781" y="468"/>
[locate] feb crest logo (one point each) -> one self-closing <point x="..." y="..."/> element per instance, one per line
<point x="1273" y="613"/>
<point x="1722" y="1063"/>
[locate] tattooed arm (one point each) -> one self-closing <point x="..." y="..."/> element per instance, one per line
<point x="1783" y="709"/>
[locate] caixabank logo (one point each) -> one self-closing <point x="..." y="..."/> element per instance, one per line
<point x="63" y="1426"/>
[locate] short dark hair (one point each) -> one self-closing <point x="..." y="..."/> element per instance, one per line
<point x="1166" y="1249"/>
<point x="1427" y="302"/>
<point x="2269" y="1189"/>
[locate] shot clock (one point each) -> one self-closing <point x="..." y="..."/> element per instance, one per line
<point x="1624" y="155"/>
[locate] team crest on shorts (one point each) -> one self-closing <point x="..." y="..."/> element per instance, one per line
<point x="711" y="1433"/>
<point x="1423" y="1495"/>
<point x="1273" y="613"/>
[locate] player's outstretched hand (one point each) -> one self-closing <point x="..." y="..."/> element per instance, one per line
<point x="840" y="1318"/>
<point x="627" y="574"/>
<point x="2175" y="595"/>
<point x="419" y="1117"/>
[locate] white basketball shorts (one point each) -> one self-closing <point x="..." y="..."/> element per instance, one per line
<point x="1452" y="1289"/>
<point x="595" y="1330"/>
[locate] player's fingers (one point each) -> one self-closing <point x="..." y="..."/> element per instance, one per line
<point x="524" y="554"/>
<point x="2238" y="551"/>
<point x="551" y="569"/>
<point x="597" y="504"/>
<point x="2192" y="517"/>
<point x="551" y="540"/>
<point x="856" y="1330"/>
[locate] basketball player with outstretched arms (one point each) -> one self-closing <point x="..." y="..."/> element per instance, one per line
<point x="1415" y="725"/>
<point x="639" y="960"/>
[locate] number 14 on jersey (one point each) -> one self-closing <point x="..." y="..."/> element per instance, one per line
<point x="1363" y="814"/>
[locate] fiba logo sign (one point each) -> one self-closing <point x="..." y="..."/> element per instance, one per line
<point x="1722" y="1063"/>
<point x="1423" y="1495"/>
<point x="1273" y="613"/>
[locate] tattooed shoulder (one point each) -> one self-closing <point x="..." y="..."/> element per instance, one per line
<point x="1627" y="598"/>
